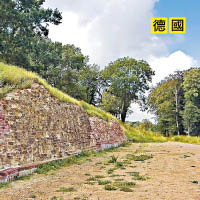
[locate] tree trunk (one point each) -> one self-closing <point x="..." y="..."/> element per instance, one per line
<point x="124" y="110"/>
<point x="123" y="115"/>
<point x="188" y="129"/>
<point x="177" y="111"/>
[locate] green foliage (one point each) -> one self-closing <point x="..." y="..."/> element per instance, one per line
<point x="176" y="103"/>
<point x="74" y="75"/>
<point x="21" y="22"/>
<point x="166" y="100"/>
<point x="24" y="42"/>
<point x="111" y="103"/>
<point x="192" y="97"/>
<point x="127" y="79"/>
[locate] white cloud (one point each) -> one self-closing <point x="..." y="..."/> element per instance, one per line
<point x="166" y="65"/>
<point x="108" y="29"/>
<point x="138" y="115"/>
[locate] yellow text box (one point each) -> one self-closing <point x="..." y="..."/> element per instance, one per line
<point x="159" y="25"/>
<point x="177" y="25"/>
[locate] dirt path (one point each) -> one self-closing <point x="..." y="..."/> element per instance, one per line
<point x="173" y="173"/>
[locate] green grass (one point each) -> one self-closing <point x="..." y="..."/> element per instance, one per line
<point x="99" y="176"/>
<point x="56" y="198"/>
<point x="12" y="77"/>
<point x="140" y="135"/>
<point x="111" y="170"/>
<point x="104" y="182"/>
<point x="113" y="159"/>
<point x="126" y="189"/>
<point x="119" y="179"/>
<point x="91" y="179"/>
<point x="90" y="182"/>
<point x="136" y="176"/>
<point x="75" y="159"/>
<point x="57" y="164"/>
<point x="124" y="184"/>
<point x="32" y="196"/>
<point x="87" y="174"/>
<point x="116" y="175"/>
<point x="64" y="189"/>
<point x="185" y="139"/>
<point x="4" y="184"/>
<point x="25" y="177"/>
<point x="138" y="158"/>
<point x="195" y="182"/>
<point x="110" y="187"/>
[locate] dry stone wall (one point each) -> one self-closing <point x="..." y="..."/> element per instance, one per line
<point x="36" y="127"/>
<point x="106" y="134"/>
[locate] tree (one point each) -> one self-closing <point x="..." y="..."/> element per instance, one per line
<point x="192" y="97"/>
<point x="128" y="80"/>
<point x="110" y="103"/>
<point x="20" y="22"/>
<point x="166" y="101"/>
<point x="24" y="42"/>
<point x="45" y="58"/>
<point x="74" y="75"/>
<point x="89" y="80"/>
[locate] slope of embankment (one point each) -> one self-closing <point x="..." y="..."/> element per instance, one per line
<point x="39" y="123"/>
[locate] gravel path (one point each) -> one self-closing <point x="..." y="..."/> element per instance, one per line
<point x="172" y="174"/>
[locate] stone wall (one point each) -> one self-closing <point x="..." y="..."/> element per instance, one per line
<point x="106" y="134"/>
<point x="36" y="127"/>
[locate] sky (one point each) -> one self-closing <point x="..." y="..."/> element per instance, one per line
<point x="109" y="29"/>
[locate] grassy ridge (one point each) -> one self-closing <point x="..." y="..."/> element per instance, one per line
<point x="139" y="134"/>
<point x="185" y="139"/>
<point x="12" y="77"/>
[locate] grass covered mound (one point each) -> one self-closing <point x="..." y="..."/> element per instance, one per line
<point x="139" y="134"/>
<point x="12" y="77"/>
<point x="185" y="139"/>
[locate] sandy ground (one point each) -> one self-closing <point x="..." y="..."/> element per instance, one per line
<point x="170" y="173"/>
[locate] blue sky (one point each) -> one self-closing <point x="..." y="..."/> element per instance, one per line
<point x="190" y="42"/>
